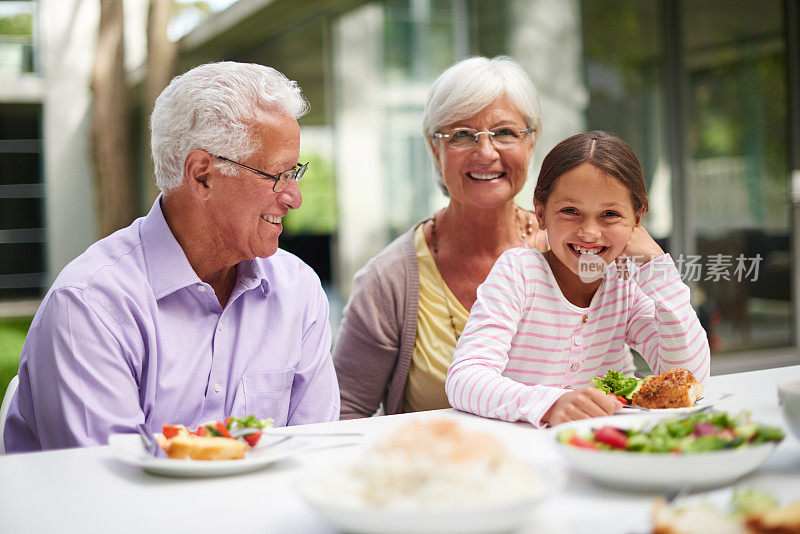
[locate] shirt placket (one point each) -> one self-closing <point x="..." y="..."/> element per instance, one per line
<point x="576" y="356"/>
<point x="216" y="394"/>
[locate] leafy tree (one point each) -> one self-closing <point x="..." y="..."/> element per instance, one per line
<point x="18" y="24"/>
<point x="318" y="214"/>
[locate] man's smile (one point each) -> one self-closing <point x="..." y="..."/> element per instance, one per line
<point x="272" y="219"/>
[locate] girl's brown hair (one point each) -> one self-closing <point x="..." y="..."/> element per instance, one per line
<point x="608" y="153"/>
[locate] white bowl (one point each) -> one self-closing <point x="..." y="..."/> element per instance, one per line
<point x="469" y="518"/>
<point x="789" y="399"/>
<point x="657" y="471"/>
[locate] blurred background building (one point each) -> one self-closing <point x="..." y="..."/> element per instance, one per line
<point x="706" y="91"/>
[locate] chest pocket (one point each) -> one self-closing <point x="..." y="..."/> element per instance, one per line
<point x="267" y="393"/>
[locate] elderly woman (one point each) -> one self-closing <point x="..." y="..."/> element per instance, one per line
<point x="410" y="303"/>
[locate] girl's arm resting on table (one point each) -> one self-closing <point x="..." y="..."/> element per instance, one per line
<point x="474" y="382"/>
<point x="662" y="325"/>
<point x="476" y="388"/>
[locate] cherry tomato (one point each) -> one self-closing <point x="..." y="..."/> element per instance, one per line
<point x="252" y="439"/>
<point x="578" y="441"/>
<point x="170" y="431"/>
<point x="223" y="430"/>
<point x="612" y="437"/>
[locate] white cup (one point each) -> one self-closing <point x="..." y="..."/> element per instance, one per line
<point x="789" y="400"/>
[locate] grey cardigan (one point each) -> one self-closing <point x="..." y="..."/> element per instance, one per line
<point x="376" y="338"/>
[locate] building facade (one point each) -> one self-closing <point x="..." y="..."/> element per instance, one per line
<point x="705" y="91"/>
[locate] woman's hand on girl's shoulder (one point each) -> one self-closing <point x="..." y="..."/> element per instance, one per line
<point x="641" y="247"/>
<point x="581" y="404"/>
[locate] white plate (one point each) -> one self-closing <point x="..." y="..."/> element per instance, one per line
<point x="467" y="519"/>
<point x="702" y="402"/>
<point x="656" y="471"/>
<point x="128" y="448"/>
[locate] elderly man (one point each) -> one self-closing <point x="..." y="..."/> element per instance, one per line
<point x="191" y="313"/>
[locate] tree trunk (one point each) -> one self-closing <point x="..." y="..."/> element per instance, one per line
<point x="161" y="55"/>
<point x="117" y="203"/>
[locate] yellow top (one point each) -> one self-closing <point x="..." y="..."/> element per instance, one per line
<point x="435" y="341"/>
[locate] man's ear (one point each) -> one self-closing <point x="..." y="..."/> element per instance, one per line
<point x="197" y="172"/>
<point x="538" y="208"/>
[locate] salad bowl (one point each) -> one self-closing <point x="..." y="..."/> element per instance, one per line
<point x="655" y="471"/>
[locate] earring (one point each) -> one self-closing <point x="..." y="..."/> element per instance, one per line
<point x="546" y="239"/>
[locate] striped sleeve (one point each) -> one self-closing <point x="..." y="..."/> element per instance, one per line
<point x="474" y="380"/>
<point x="662" y="325"/>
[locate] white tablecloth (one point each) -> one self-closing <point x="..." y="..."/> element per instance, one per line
<point x="88" y="490"/>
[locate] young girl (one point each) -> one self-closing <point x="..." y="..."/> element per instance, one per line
<point x="545" y="323"/>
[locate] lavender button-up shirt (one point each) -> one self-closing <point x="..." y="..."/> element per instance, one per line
<point x="129" y="334"/>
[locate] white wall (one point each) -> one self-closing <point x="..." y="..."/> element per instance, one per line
<point x="68" y="37"/>
<point x="547" y="41"/>
<point x="358" y="121"/>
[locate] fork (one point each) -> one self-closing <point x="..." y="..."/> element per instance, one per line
<point x="149" y="441"/>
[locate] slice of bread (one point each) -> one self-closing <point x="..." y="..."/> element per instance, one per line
<point x="676" y="388"/>
<point x="204" y="448"/>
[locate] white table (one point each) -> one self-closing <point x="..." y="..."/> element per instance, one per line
<point x="87" y="490"/>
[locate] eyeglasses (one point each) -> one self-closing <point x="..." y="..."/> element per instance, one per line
<point x="501" y="137"/>
<point x="283" y="178"/>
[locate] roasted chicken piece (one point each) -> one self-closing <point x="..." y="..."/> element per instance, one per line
<point x="676" y="388"/>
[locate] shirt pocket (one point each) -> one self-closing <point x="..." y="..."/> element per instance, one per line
<point x="267" y="394"/>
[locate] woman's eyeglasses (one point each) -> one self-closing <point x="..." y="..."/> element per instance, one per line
<point x="501" y="137"/>
<point x="281" y="180"/>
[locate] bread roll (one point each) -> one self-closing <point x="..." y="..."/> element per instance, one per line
<point x="204" y="448"/>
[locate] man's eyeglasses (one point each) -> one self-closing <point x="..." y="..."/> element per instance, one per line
<point x="283" y="178"/>
<point x="501" y="137"/>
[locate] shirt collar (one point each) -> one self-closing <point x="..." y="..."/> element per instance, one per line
<point x="250" y="274"/>
<point x="168" y="269"/>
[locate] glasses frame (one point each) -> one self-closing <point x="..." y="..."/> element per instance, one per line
<point x="297" y="172"/>
<point x="442" y="135"/>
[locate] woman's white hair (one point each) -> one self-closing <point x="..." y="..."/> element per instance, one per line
<point x="470" y="85"/>
<point x="214" y="107"/>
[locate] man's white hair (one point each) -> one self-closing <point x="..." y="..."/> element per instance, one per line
<point x="214" y="107"/>
<point x="470" y="85"/>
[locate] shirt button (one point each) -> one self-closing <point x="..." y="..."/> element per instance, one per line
<point x="219" y="328"/>
<point x="574" y="366"/>
<point x="201" y="287"/>
<point x="585" y="318"/>
<point x="578" y="340"/>
<point x="217" y="388"/>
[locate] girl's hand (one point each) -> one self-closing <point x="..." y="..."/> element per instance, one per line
<point x="641" y="248"/>
<point x="581" y="404"/>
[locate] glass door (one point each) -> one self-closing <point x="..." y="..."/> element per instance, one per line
<point x="737" y="179"/>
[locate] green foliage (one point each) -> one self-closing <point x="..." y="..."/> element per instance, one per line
<point x="317" y="216"/>
<point x="12" y="336"/>
<point x="19" y="24"/>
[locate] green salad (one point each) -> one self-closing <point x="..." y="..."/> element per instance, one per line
<point x="618" y="384"/>
<point x="700" y="432"/>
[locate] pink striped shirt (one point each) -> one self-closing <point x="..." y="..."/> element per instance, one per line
<point x="525" y="344"/>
